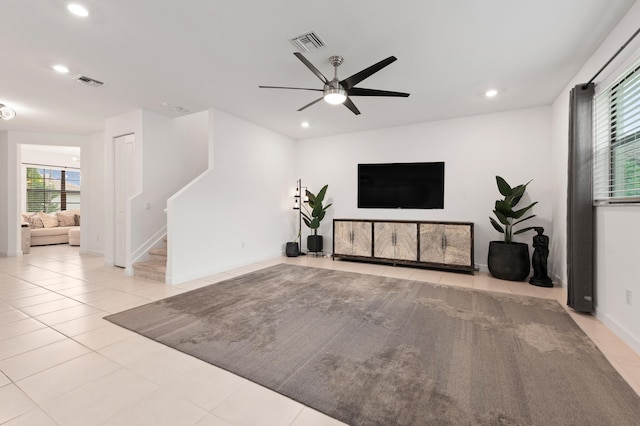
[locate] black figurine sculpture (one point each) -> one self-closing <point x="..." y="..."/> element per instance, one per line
<point x="539" y="260"/>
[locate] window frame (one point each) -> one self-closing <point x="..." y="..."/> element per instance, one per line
<point x="611" y="150"/>
<point x="62" y="193"/>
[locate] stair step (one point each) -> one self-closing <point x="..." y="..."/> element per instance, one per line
<point x="151" y="269"/>
<point x="155" y="268"/>
<point x="159" y="254"/>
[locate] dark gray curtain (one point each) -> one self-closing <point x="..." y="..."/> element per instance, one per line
<point x="580" y="214"/>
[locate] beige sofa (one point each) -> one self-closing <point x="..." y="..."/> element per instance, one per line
<point x="53" y="228"/>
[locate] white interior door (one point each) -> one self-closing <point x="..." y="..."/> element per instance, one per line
<point x="123" y="175"/>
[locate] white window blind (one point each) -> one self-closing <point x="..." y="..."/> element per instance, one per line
<point x="616" y="174"/>
<point x="52" y="189"/>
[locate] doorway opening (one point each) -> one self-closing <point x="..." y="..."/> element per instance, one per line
<point x="49" y="196"/>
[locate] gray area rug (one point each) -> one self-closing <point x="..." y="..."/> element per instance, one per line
<point x="370" y="350"/>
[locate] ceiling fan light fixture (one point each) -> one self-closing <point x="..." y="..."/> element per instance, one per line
<point x="335" y="96"/>
<point x="6" y="113"/>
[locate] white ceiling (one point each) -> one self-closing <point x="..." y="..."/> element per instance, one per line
<point x="199" y="54"/>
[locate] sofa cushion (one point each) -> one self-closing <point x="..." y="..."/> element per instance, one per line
<point x="74" y="236"/>
<point x="66" y="219"/>
<point x="46" y="232"/>
<point x="49" y="220"/>
<point x="35" y="222"/>
<point x="76" y="218"/>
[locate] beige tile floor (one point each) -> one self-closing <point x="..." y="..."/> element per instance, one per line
<point x="61" y="363"/>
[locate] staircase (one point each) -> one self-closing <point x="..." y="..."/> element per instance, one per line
<point x="156" y="267"/>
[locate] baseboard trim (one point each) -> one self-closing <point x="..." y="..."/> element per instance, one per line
<point x="92" y="253"/>
<point x="622" y="332"/>
<point x="174" y="280"/>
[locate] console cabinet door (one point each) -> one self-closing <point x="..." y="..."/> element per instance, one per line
<point x="458" y="244"/>
<point x="342" y="237"/>
<point x="396" y="240"/>
<point x="448" y="244"/>
<point x="383" y="240"/>
<point x="352" y="238"/>
<point x="432" y="242"/>
<point x="362" y="239"/>
<point x="406" y="241"/>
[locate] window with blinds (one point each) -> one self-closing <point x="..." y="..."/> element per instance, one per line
<point x="52" y="190"/>
<point x="616" y="175"/>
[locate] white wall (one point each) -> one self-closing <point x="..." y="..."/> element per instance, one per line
<point x="93" y="199"/>
<point x="514" y="145"/>
<point x="32" y="156"/>
<point x="191" y="134"/>
<point x="239" y="211"/>
<point x="617" y="228"/>
<point x="4" y="186"/>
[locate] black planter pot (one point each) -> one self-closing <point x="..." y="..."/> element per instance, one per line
<point x="292" y="250"/>
<point x="314" y="243"/>
<point x="509" y="261"/>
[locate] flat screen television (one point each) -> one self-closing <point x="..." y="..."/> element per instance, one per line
<point x="401" y="186"/>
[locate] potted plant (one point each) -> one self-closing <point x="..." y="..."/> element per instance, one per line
<point x="509" y="260"/>
<point x="313" y="218"/>
<point x="292" y="249"/>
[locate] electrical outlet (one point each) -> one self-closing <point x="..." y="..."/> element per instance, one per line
<point x="629" y="296"/>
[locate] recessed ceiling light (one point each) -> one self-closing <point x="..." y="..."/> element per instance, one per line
<point x="78" y="10"/>
<point x="491" y="93"/>
<point x="60" y="68"/>
<point x="304" y="124"/>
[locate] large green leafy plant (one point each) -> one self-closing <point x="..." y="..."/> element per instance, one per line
<point x="504" y="210"/>
<point x="313" y="218"/>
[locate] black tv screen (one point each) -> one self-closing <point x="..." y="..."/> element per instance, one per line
<point x="401" y="186"/>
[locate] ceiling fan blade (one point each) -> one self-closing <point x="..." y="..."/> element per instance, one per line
<point x="283" y="87"/>
<point x="349" y="82"/>
<point x="311" y="103"/>
<point x="311" y="67"/>
<point x="351" y="106"/>
<point x="358" y="91"/>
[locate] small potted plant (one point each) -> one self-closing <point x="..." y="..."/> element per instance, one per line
<point x="509" y="260"/>
<point x="313" y="218"/>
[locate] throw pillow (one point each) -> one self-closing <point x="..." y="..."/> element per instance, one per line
<point x="27" y="216"/>
<point x="76" y="218"/>
<point x="66" y="219"/>
<point x="49" y="220"/>
<point x="35" y="222"/>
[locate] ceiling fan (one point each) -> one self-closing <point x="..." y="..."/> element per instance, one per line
<point x="339" y="91"/>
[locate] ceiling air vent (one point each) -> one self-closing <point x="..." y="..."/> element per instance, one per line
<point x="89" y="81"/>
<point x="306" y="42"/>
